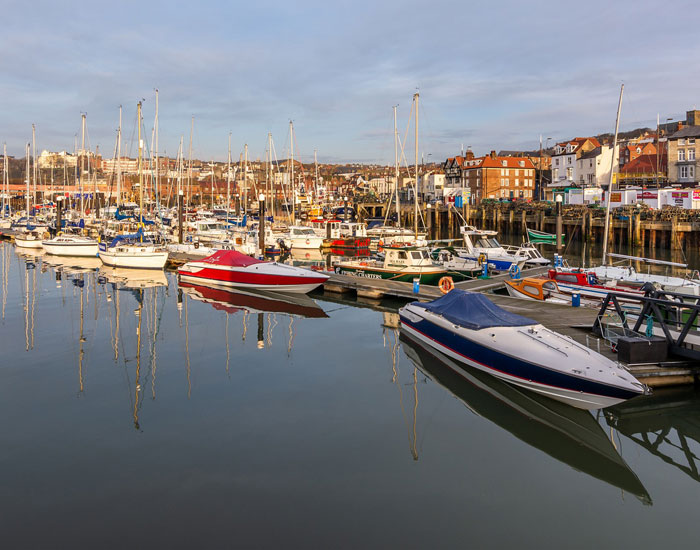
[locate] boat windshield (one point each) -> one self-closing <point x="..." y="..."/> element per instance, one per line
<point x="488" y="243"/>
<point x="304" y="231"/>
<point x="418" y="255"/>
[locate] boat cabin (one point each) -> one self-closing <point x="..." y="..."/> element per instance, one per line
<point x="404" y="257"/>
<point x="577" y="277"/>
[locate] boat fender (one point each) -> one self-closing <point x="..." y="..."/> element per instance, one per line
<point x="514" y="271"/>
<point x="446" y="284"/>
<point x="308" y="241"/>
<point x="337" y="270"/>
<point x="482" y="258"/>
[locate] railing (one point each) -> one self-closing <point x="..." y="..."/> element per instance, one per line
<point x="671" y="311"/>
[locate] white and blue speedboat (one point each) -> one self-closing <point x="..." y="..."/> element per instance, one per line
<point x="472" y="330"/>
<point x="481" y="245"/>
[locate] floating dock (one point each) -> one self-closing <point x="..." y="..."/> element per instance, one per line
<point x="575" y="322"/>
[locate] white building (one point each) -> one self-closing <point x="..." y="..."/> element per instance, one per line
<point x="564" y="165"/>
<point x="432" y="186"/>
<point x="593" y="167"/>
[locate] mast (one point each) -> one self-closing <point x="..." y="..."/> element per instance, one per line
<point x="658" y="144"/>
<point x="82" y="166"/>
<point x="5" y="185"/>
<point x="315" y="176"/>
<point x="189" y="165"/>
<point x="34" y="173"/>
<point x="245" y="179"/>
<point x="291" y="162"/>
<point x="610" y="182"/>
<point x="119" y="158"/>
<point x="415" y="189"/>
<point x="28" y="174"/>
<point x="138" y="122"/>
<point x="155" y="154"/>
<point x="396" y="170"/>
<point x="228" y="180"/>
<point x="270" y="174"/>
<point x="212" y="185"/>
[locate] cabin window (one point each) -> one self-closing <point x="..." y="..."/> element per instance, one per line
<point x="549" y="285"/>
<point x="416" y="255"/>
<point x="567" y="278"/>
<point x="531" y="290"/>
<point x="402" y="255"/>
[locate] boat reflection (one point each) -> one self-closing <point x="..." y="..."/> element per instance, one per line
<point x="74" y="264"/>
<point x="570" y="435"/>
<point x="133" y="278"/>
<point x="667" y="424"/>
<point x="232" y="301"/>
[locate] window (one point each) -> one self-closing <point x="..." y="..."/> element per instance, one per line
<point x="521" y="163"/>
<point x="532" y="290"/>
<point x="569" y="173"/>
<point x="691" y="141"/>
<point x="402" y="255"/>
<point x="683" y="172"/>
<point x="590" y="163"/>
<point x="416" y="255"/>
<point x="568" y="160"/>
<point x="681" y="141"/>
<point x="504" y="163"/>
<point x="556" y="162"/>
<point x="681" y="155"/>
<point x="691" y="154"/>
<point x="691" y="172"/>
<point x="517" y="182"/>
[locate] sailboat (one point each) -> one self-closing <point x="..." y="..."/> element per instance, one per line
<point x="134" y="251"/>
<point x="29" y="236"/>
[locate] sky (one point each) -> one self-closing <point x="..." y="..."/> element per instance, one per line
<point x="491" y="75"/>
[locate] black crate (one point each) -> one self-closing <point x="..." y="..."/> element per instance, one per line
<point x="642" y="350"/>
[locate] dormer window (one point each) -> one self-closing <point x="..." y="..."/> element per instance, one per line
<point x="504" y="163"/>
<point x="681" y="141"/>
<point x="521" y="163"/>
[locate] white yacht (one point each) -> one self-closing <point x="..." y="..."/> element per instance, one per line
<point x="71" y="245"/>
<point x="131" y="251"/>
<point x="300" y="236"/>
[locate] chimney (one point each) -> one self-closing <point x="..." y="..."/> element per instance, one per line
<point x="469" y="155"/>
<point x="493" y="154"/>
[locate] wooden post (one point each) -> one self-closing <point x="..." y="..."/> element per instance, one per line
<point x="675" y="237"/>
<point x="523" y="221"/>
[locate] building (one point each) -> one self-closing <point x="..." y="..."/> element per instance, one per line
<point x="432" y="186"/>
<point x="634" y="150"/>
<point x="644" y="171"/>
<point x="682" y="164"/>
<point x="491" y="177"/>
<point x="593" y="167"/>
<point x="564" y="160"/>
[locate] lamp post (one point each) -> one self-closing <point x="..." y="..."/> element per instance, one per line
<point x="345" y="208"/>
<point x="542" y="195"/>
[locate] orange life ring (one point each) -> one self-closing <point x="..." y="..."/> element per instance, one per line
<point x="446" y="284"/>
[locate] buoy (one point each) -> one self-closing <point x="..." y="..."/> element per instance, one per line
<point x="446" y="284"/>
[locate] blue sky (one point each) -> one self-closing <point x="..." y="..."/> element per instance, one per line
<point x="490" y="75"/>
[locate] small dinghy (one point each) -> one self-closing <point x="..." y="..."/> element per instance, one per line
<point x="472" y="330"/>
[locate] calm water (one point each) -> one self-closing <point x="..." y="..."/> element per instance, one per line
<point x="151" y="416"/>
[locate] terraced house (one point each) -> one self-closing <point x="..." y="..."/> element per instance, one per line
<point x="491" y="176"/>
<point x="682" y="163"/>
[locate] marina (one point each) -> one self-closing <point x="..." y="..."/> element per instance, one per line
<point x="158" y="387"/>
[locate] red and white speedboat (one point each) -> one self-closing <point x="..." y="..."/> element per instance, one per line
<point x="231" y="268"/>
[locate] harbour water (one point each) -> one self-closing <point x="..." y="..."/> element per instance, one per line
<point x="137" y="413"/>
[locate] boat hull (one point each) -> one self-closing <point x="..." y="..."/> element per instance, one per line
<point x="351" y="242"/>
<point x="21" y="242"/>
<point x="71" y="249"/>
<point x="426" y="277"/>
<point x="299" y="282"/>
<point x="145" y="260"/>
<point x="545" y="380"/>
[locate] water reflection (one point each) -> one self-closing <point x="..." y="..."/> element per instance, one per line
<point x="572" y="436"/>
<point x="666" y="424"/>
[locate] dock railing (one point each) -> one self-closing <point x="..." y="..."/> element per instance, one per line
<point x="675" y="313"/>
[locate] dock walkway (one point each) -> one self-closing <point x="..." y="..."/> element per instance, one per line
<point x="575" y="322"/>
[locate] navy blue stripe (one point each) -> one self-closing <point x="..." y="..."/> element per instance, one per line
<point x="514" y="366"/>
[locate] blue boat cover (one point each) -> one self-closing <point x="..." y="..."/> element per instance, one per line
<point x="473" y="311"/>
